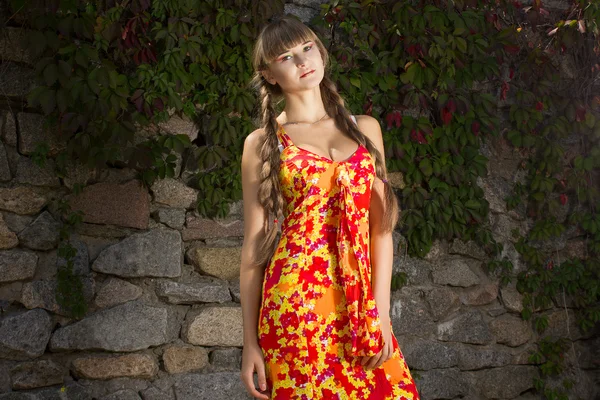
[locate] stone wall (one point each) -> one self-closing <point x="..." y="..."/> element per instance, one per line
<point x="164" y="318"/>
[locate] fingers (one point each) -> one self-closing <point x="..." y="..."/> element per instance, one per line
<point x="248" y="380"/>
<point x="262" y="379"/>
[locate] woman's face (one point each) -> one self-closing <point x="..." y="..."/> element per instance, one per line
<point x="298" y="69"/>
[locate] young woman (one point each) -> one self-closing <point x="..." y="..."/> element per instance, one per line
<point x="315" y="301"/>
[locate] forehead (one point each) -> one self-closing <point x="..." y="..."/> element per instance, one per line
<point x="279" y="41"/>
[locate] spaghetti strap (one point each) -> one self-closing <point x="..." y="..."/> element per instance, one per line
<point x="282" y="137"/>
<point x="354" y="119"/>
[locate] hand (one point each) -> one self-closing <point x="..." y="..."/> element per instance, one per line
<point x="372" y="362"/>
<point x="253" y="361"/>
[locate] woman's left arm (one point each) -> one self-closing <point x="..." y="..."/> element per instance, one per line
<point x="381" y="245"/>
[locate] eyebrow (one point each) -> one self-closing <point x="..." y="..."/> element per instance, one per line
<point x="308" y="41"/>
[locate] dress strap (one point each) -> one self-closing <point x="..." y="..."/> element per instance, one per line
<point x="354" y="119"/>
<point x="282" y="137"/>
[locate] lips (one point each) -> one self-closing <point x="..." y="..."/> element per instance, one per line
<point x="306" y="74"/>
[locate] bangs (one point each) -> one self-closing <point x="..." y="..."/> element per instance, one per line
<point x="279" y="37"/>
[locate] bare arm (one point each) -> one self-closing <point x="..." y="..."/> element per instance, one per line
<point x="381" y="244"/>
<point x="251" y="276"/>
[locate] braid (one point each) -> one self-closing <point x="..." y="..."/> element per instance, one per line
<point x="334" y="105"/>
<point x="269" y="192"/>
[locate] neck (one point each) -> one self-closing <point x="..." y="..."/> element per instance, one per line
<point x="303" y="106"/>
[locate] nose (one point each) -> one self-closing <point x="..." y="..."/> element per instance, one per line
<point x="300" y="61"/>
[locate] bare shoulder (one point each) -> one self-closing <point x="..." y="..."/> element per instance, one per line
<point x="370" y="127"/>
<point x="252" y="143"/>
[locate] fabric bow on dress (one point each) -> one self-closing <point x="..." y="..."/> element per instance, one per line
<point x="365" y="324"/>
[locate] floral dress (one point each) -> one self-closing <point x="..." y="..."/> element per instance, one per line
<point x="318" y="316"/>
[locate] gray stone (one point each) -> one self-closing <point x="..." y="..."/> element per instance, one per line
<point x="204" y="228"/>
<point x="97" y="389"/>
<point x="417" y="270"/>
<point x="442" y="302"/>
<point x="426" y="354"/>
<point x="21" y="200"/>
<point x="469" y="248"/>
<point x="234" y="289"/>
<point x="206" y="326"/>
<point x="154" y="393"/>
<point x="172" y="217"/>
<point x="5" y="367"/>
<point x="179" y="359"/>
<point x="13" y="46"/>
<point x="81" y="261"/>
<point x="17" y="264"/>
<point x="30" y="173"/>
<point x="512" y="299"/>
<point x="563" y="323"/>
<point x="409" y="313"/>
<point x="480" y="295"/>
<point x="180" y="125"/>
<point x="468" y="327"/>
<point x="42" y="234"/>
<point x="226" y="359"/>
<point x="105" y="203"/>
<point x="504" y="226"/>
<point x="42" y="294"/>
<point x="25" y="336"/>
<point x="305" y="14"/>
<point x="17" y="223"/>
<point x="471" y="357"/>
<point x="156" y="253"/>
<point x="214" y="386"/>
<point x="33" y="130"/>
<point x="5" y="174"/>
<point x="204" y="291"/>
<point x="510" y="330"/>
<point x="35" y="374"/>
<point x="16" y="80"/>
<point x="125" y="394"/>
<point x="454" y="272"/>
<point x="504" y="382"/>
<point x="220" y="262"/>
<point x="8" y="128"/>
<point x="8" y="238"/>
<point x="134" y="365"/>
<point x="117" y="291"/>
<point x="441" y="384"/>
<point x="18" y="396"/>
<point x="495" y="190"/>
<point x="174" y="193"/>
<point x="128" y="327"/>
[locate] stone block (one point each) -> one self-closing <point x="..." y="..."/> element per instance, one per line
<point x="42" y="234"/>
<point x="157" y="253"/>
<point x="174" y="193"/>
<point x="25" y="336"/>
<point x="468" y="327"/>
<point x="179" y="359"/>
<point x="454" y="272"/>
<point x="214" y="326"/>
<point x="17" y="264"/>
<point x="116" y="291"/>
<point x="205" y="290"/>
<point x="128" y="327"/>
<point x="21" y="200"/>
<point x="126" y="205"/>
<point x="142" y="366"/>
<point x="220" y="262"/>
<point x="213" y="386"/>
<point x="510" y="330"/>
<point x="36" y="374"/>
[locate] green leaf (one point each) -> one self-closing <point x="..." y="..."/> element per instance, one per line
<point x="50" y="74"/>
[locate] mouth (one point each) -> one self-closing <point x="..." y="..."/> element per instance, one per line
<point x="306" y="74"/>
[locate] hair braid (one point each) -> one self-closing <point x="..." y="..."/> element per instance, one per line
<point x="334" y="105"/>
<point x="269" y="191"/>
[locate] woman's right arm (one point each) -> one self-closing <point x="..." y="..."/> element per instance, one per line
<point x="251" y="275"/>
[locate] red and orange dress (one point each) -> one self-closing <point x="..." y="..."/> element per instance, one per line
<point x="318" y="316"/>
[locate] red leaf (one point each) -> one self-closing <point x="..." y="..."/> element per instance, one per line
<point x="563" y="199"/>
<point x="539" y="106"/>
<point x="475" y="128"/>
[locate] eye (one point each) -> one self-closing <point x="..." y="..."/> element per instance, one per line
<point x="308" y="47"/>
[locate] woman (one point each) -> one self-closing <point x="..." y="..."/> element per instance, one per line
<point x="316" y="316"/>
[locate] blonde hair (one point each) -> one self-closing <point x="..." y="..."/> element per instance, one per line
<point x="274" y="39"/>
